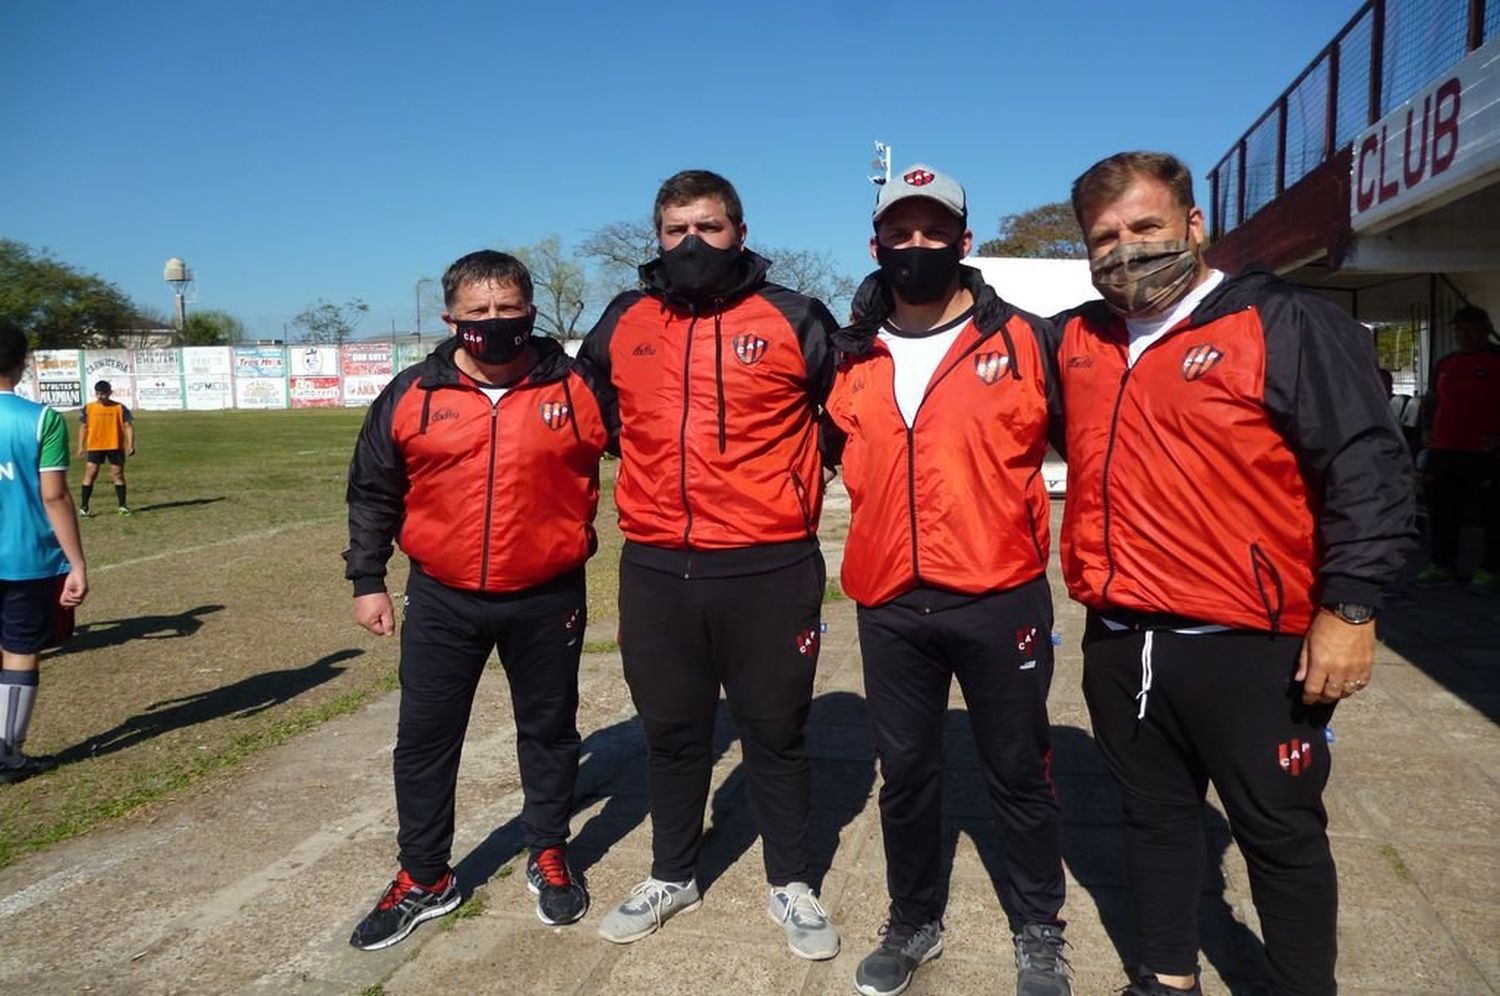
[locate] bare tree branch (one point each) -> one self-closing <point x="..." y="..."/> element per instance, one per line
<point x="326" y="322"/>
<point x="560" y="287"/>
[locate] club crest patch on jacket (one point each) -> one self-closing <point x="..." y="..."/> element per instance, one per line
<point x="749" y="348"/>
<point x="990" y="366"/>
<point x="1199" y="360"/>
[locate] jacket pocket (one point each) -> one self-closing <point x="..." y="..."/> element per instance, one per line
<point x="803" y="503"/>
<point x="1274" y="599"/>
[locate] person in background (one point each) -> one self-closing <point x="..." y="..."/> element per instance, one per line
<point x="108" y="436"/>
<point x="1461" y="433"/>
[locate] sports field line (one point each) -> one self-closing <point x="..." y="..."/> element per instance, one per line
<point x="259" y="534"/>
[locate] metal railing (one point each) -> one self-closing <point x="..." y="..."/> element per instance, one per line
<point x="1341" y="93"/>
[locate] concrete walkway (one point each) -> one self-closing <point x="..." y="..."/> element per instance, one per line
<point x="256" y="887"/>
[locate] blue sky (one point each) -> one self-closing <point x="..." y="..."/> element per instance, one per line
<point x="291" y="151"/>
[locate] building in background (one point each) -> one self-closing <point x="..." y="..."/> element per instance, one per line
<point x="1374" y="178"/>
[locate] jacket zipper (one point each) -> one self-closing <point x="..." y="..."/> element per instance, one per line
<point x="1114" y="424"/>
<point x="911" y="496"/>
<point x="687" y="510"/>
<point x="911" y="446"/>
<point x="1109" y="454"/>
<point x="489" y="498"/>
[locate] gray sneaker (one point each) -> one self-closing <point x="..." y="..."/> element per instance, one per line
<point x="1041" y="968"/>
<point x="808" y="932"/>
<point x="649" y="905"/>
<point x="888" y="969"/>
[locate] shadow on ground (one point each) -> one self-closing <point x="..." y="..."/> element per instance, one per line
<point x="240" y="699"/>
<point x="612" y="767"/>
<point x="184" y="503"/>
<point x="114" y="632"/>
<point x="1451" y="634"/>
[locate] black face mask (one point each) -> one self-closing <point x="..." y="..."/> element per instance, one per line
<point x="698" y="271"/>
<point x="919" y="275"/>
<point x="495" y="341"/>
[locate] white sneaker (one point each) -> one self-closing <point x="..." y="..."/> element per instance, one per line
<point x="649" y="905"/>
<point x="809" y="934"/>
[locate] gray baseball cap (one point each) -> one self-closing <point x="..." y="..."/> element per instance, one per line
<point x="920" y="180"/>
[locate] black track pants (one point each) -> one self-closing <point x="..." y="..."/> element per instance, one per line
<point x="757" y="636"/>
<point x="1000" y="649"/>
<point x="446" y="637"/>
<point x="1219" y="707"/>
<point x="1455" y="477"/>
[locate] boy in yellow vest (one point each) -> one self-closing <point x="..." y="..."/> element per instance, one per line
<point x="108" y="435"/>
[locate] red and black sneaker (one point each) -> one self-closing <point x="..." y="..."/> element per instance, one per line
<point x="560" y="898"/>
<point x="405" y="904"/>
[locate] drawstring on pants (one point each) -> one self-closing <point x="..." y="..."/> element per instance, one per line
<point x="1145" y="674"/>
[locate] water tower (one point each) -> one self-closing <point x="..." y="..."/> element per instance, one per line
<point x="179" y="276"/>
<point x="881" y="164"/>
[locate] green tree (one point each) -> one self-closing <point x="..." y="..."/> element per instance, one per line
<point x="325" y="322"/>
<point x="212" y="328"/>
<point x="59" y="305"/>
<point x="559" y="287"/>
<point x="1048" y="231"/>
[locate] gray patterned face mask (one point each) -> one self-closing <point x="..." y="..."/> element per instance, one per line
<point x="1145" y="278"/>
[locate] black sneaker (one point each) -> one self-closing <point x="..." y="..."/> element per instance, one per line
<point x="1148" y="985"/>
<point x="560" y="898"/>
<point x="888" y="969"/>
<point x="404" y="905"/>
<point x="24" y="766"/>
<point x="1041" y="968"/>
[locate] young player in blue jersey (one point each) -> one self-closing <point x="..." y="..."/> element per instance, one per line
<point x="42" y="572"/>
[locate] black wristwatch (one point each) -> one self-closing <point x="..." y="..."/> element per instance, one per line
<point x="1353" y="612"/>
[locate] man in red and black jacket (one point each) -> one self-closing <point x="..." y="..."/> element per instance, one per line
<point x="939" y="415"/>
<point x="1238" y="497"/>
<point x="1461" y="432"/>
<point x="712" y="377"/>
<point x="482" y="462"/>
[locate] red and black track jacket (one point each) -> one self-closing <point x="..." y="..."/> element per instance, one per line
<point x="482" y="497"/>
<point x="955" y="501"/>
<point x="1245" y="469"/>
<point x="714" y="408"/>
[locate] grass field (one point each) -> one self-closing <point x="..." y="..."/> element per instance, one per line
<point x="218" y="622"/>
